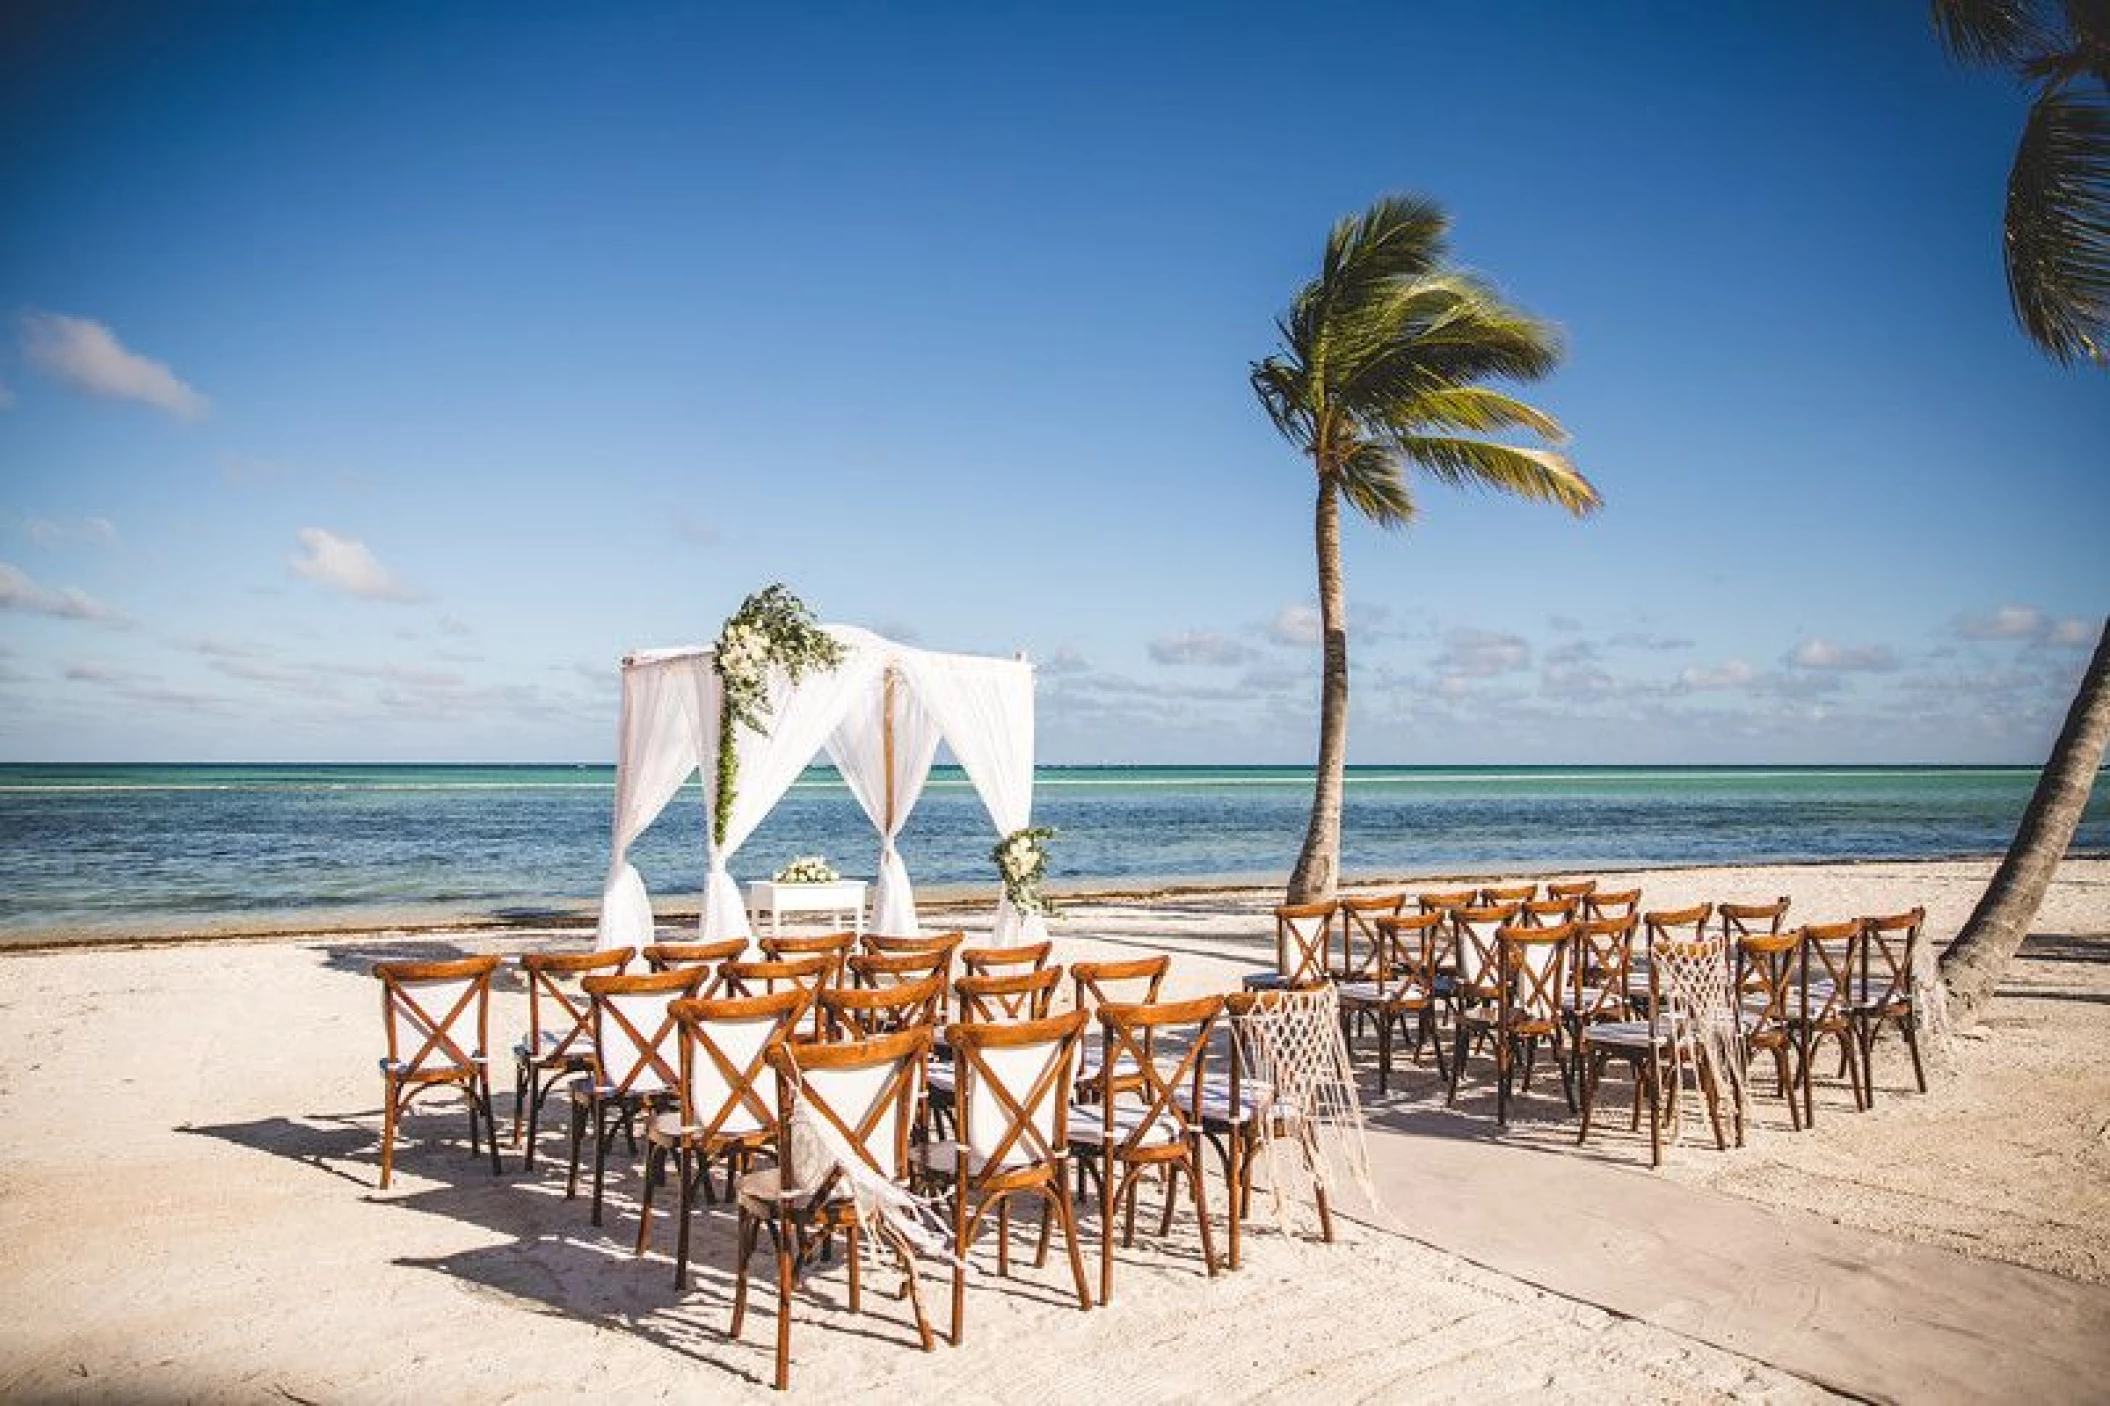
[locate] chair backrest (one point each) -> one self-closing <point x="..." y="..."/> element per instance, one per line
<point x="1747" y="919"/>
<point x="1601" y="903"/>
<point x="437" y="1014"/>
<point x="1359" y="939"/>
<point x="1156" y="1058"/>
<point x="1534" y="969"/>
<point x="728" y="1086"/>
<point x="1688" y="981"/>
<point x="1604" y="957"/>
<point x="1445" y="901"/>
<point x="1577" y="889"/>
<point x="1546" y="912"/>
<point x="988" y="961"/>
<point x="1411" y="948"/>
<point x="1676" y="924"/>
<point x="1497" y="894"/>
<point x="635" y="1038"/>
<point x="1007" y="996"/>
<point x="557" y="1008"/>
<point x="758" y="978"/>
<point x="1474" y="955"/>
<point x="1133" y="981"/>
<point x="873" y="970"/>
<point x="1013" y="1087"/>
<point x="1831" y="957"/>
<point x="833" y="945"/>
<point x="666" y="956"/>
<point x="891" y="945"/>
<point x="1303" y="935"/>
<point x="1889" y="951"/>
<point x="1765" y="982"/>
<point x="864" y="1089"/>
<point x="860" y="1012"/>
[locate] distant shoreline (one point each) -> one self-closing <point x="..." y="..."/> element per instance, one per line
<point x="950" y="901"/>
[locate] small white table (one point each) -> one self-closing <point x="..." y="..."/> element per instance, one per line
<point x="843" y="896"/>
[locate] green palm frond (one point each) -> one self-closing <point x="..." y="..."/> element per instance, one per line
<point x="1536" y="474"/>
<point x="1371" y="480"/>
<point x="2058" y="224"/>
<point x="1997" y="31"/>
<point x="1478" y="410"/>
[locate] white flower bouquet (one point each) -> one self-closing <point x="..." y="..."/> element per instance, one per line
<point x="1021" y="858"/>
<point x="807" y="869"/>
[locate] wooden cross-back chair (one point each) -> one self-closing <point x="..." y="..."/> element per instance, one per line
<point x="726" y="1104"/>
<point x="1667" y="1039"/>
<point x="1546" y="912"/>
<point x="637" y="1062"/>
<point x="873" y="970"/>
<point x="666" y="956"/>
<point x="865" y="1092"/>
<point x="1358" y="921"/>
<point x="1013" y="1137"/>
<point x="1444" y="902"/>
<point x="1577" y="889"/>
<point x="835" y="946"/>
<point x="1496" y="894"/>
<point x="1154" y="1073"/>
<point x="1474" y="978"/>
<point x="1830" y="962"/>
<point x="437" y="1019"/>
<point x="559" y="1038"/>
<point x="760" y="978"/>
<point x="1884" y="993"/>
<point x="988" y="961"/>
<point x="1741" y="920"/>
<point x="1303" y="945"/>
<point x="1601" y="962"/>
<point x="902" y="945"/>
<point x="1530" y="976"/>
<point x="1130" y="981"/>
<point x="1242" y="1113"/>
<point x="1600" y="904"/>
<point x="1412" y="953"/>
<point x="1767" y="999"/>
<point x="861" y="1012"/>
<point x="1019" y="995"/>
<point x="1667" y="925"/>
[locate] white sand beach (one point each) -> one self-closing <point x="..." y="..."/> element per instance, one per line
<point x="189" y="1209"/>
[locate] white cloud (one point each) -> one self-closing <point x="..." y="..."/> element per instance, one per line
<point x="19" y="592"/>
<point x="2075" y="631"/>
<point x="1734" y="674"/>
<point x="1482" y="654"/>
<point x="2009" y="622"/>
<point x="1063" y="662"/>
<point x="7" y="397"/>
<point x="88" y="355"/>
<point x="346" y="564"/>
<point x="1843" y="658"/>
<point x="95" y="531"/>
<point x="1295" y="624"/>
<point x="1199" y="647"/>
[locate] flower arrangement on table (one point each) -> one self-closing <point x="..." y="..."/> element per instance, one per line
<point x="771" y="627"/>
<point x="1022" y="860"/>
<point x="807" y="869"/>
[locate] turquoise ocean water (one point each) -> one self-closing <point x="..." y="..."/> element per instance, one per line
<point x="128" y="849"/>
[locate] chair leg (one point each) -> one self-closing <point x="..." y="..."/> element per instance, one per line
<point x="685" y="1169"/>
<point x="959" y="1259"/>
<point x="1235" y="1157"/>
<point x="535" y="1094"/>
<point x="388" y="1130"/>
<point x="1654" y="1090"/>
<point x="1458" y="1049"/>
<point x="1565" y="1064"/>
<point x="1384" y="1080"/>
<point x="483" y="1079"/>
<point x="655" y="1165"/>
<point x="1592" y="1068"/>
<point x="520" y="1083"/>
<point x="1068" y="1212"/>
<point x="1911" y="1027"/>
<point x="743" y="1252"/>
<point x="1435" y="1037"/>
<point x="1106" y="1228"/>
<point x="785" y="1235"/>
<point x="1201" y="1205"/>
<point x="601" y="1135"/>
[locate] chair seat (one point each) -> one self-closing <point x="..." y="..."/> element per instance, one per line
<point x="668" y="1129"/>
<point x="1087" y="1126"/>
<point x="1264" y="981"/>
<point x="1371" y="993"/>
<point x="940" y="1080"/>
<point x="762" y="1191"/>
<point x="434" y="1072"/>
<point x="584" y="1088"/>
<point x="1627" y="1034"/>
<point x="942" y="1158"/>
<point x="543" y="1045"/>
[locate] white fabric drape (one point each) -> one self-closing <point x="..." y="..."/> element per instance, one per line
<point x="656" y="752"/>
<point x="859" y="749"/>
<point x="801" y="718"/>
<point x="984" y="708"/>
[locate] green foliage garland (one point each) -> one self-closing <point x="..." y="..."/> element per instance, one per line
<point x="771" y="627"/>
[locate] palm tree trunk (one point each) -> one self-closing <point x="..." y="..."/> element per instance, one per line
<point x="1318" y="866"/>
<point x="1975" y="962"/>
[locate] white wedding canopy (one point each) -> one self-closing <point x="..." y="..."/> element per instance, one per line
<point x="880" y="715"/>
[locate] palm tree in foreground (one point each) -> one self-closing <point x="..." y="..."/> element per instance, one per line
<point x="1379" y="368"/>
<point x="2057" y="239"/>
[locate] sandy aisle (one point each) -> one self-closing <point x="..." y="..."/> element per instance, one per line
<point x="187" y="1203"/>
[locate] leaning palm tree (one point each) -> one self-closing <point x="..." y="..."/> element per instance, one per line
<point x="2057" y="239"/>
<point x="1379" y="370"/>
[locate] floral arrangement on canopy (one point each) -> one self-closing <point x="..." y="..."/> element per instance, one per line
<point x="1022" y="859"/>
<point x="771" y="627"/>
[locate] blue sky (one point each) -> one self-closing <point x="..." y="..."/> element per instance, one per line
<point x="373" y="377"/>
